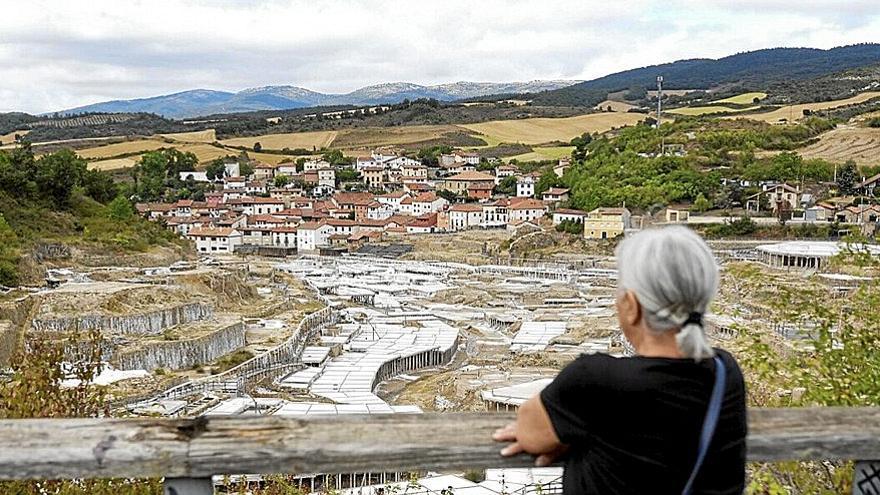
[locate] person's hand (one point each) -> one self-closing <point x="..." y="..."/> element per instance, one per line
<point x="508" y="434"/>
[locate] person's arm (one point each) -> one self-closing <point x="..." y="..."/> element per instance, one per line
<point x="532" y="433"/>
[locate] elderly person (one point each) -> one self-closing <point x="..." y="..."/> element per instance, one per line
<point x="672" y="418"/>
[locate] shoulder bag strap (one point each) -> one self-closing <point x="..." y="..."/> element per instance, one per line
<point x="709" y="422"/>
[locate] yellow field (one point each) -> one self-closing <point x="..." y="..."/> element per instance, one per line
<point x="796" y="112"/>
<point x="860" y="144"/>
<point x="368" y="137"/>
<point x="616" y="106"/>
<point x="544" y="130"/>
<point x="707" y="110"/>
<point x="269" y="158"/>
<point x="117" y="149"/>
<point x="206" y="152"/>
<point x="545" y="153"/>
<point x="206" y="136"/>
<point x="114" y="163"/>
<point x="307" y="140"/>
<point x="10" y="138"/>
<point x="743" y="99"/>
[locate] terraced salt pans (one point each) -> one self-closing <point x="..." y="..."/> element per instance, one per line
<point x="349" y="378"/>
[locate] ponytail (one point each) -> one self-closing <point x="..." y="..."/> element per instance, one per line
<point x="692" y="342"/>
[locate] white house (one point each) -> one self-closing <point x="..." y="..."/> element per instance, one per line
<point x="525" y="187"/>
<point x="326" y="177"/>
<point x="197" y="176"/>
<point x="284" y="237"/>
<point x="528" y="209"/>
<point x="562" y="214"/>
<point x="215" y="240"/>
<point x="427" y="202"/>
<point x="464" y="216"/>
<point x="312" y="235"/>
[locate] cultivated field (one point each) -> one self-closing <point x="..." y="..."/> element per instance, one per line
<point x="307" y="140"/>
<point x="743" y="99"/>
<point x="545" y="153"/>
<point x="616" y="106"/>
<point x="545" y="130"/>
<point x="114" y="163"/>
<point x="116" y="149"/>
<point x="707" y="110"/>
<point x="368" y="137"/>
<point x="860" y="144"/>
<point x="206" y="136"/>
<point x="206" y="152"/>
<point x="796" y="112"/>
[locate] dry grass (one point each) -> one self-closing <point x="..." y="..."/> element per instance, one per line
<point x="270" y="158"/>
<point x="206" y="152"/>
<point x="707" y="110"/>
<point x="860" y="144"/>
<point x="544" y="130"/>
<point x="206" y="136"/>
<point x="796" y="112"/>
<point x="545" y="153"/>
<point x="616" y="106"/>
<point x="116" y="149"/>
<point x="114" y="163"/>
<point x="368" y="137"/>
<point x="307" y="140"/>
<point x="743" y="99"/>
<point x="9" y="138"/>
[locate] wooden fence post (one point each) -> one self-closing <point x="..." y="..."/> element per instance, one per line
<point x="188" y="486"/>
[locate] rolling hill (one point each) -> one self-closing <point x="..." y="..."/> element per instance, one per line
<point x="201" y="102"/>
<point x="755" y="69"/>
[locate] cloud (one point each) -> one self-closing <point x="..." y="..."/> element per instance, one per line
<point x="61" y="54"/>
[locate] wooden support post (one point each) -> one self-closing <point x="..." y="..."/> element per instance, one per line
<point x="188" y="486"/>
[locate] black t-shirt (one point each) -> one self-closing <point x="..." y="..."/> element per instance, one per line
<point x="633" y="425"/>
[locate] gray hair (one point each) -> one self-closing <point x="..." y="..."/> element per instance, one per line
<point x="673" y="274"/>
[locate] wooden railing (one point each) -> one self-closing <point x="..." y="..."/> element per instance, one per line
<point x="187" y="452"/>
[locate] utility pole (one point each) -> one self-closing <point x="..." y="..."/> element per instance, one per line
<point x="659" y="98"/>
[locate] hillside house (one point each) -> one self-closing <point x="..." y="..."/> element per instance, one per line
<point x="460" y="183"/>
<point x="525" y="187"/>
<point x="554" y="195"/>
<point x="373" y="177"/>
<point x="284" y="237"/>
<point x="256" y="236"/>
<point x="561" y="167"/>
<point x="216" y="240"/>
<point x="480" y="191"/>
<point x="565" y="214"/>
<point x="867" y="186"/>
<point x="311" y="236"/>
<point x="326" y="177"/>
<point x="464" y="216"/>
<point x="427" y="202"/>
<point x="503" y="171"/>
<point x="264" y="171"/>
<point x="526" y="210"/>
<point x="778" y="196"/>
<point x="606" y="223"/>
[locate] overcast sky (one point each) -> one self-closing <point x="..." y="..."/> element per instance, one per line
<point x="61" y="54"/>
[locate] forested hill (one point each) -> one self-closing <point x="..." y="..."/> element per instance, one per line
<point x="751" y="69"/>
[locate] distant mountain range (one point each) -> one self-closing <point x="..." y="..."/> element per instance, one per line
<point x="756" y="70"/>
<point x="200" y="102"/>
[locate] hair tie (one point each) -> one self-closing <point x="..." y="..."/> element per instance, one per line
<point x="693" y="318"/>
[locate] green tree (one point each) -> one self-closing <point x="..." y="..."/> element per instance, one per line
<point x="507" y="186"/>
<point x="701" y="204"/>
<point x="216" y="170"/>
<point x="258" y="147"/>
<point x="246" y="169"/>
<point x="149" y="176"/>
<point x="57" y="174"/>
<point x="547" y="180"/>
<point x="8" y="254"/>
<point x="120" y="209"/>
<point x="847" y="177"/>
<point x="281" y="180"/>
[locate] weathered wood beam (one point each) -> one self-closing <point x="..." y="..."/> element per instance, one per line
<point x="197" y="448"/>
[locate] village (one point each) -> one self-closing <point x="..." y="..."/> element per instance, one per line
<point x="304" y="208"/>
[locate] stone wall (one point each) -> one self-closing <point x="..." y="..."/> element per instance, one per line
<point x="149" y="323"/>
<point x="181" y="354"/>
